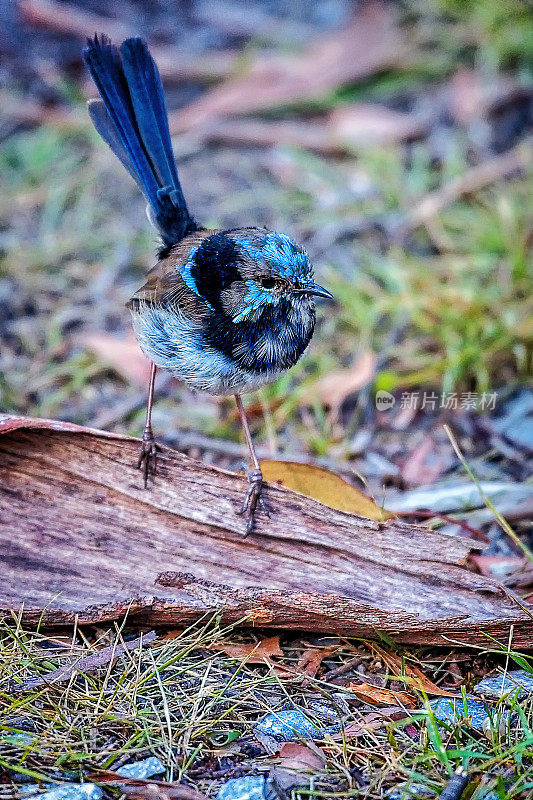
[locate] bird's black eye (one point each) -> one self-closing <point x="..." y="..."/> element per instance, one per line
<point x="268" y="283"/>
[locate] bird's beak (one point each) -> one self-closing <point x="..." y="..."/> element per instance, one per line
<point x="318" y="291"/>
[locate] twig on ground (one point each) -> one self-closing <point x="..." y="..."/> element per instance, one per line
<point x="86" y="664"/>
<point x="518" y="159"/>
<point x="353" y="663"/>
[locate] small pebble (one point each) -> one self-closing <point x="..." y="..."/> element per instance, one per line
<point x="18" y="739"/>
<point x="451" y="710"/>
<point x="142" y="769"/>
<point x="72" y="791"/>
<point x="251" y="787"/>
<point x="406" y="790"/>
<point x="290" y="726"/>
<point x="29" y="789"/>
<point x="516" y="683"/>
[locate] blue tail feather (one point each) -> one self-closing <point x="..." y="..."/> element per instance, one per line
<point x="109" y="133"/>
<point x="134" y="124"/>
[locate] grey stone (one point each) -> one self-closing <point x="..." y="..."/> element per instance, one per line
<point x="406" y="790"/>
<point x="451" y="710"/>
<point x="250" y="787"/>
<point x="72" y="791"/>
<point x="516" y="683"/>
<point x="290" y="725"/>
<point x="18" y="739"/>
<point x="142" y="769"/>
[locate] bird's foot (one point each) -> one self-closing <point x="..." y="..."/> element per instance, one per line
<point x="253" y="499"/>
<point x="148" y="456"/>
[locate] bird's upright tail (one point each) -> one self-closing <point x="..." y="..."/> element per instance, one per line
<point x="132" y="119"/>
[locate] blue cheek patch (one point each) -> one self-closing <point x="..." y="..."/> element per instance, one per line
<point x="254" y="298"/>
<point x="186" y="274"/>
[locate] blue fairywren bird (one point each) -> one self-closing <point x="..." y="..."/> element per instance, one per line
<point x="226" y="311"/>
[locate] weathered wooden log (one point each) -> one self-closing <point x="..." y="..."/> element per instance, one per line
<point x="80" y="537"/>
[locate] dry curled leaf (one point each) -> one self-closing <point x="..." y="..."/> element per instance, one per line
<point x="324" y="486"/>
<point x="252" y="653"/>
<point x="367" y="724"/>
<point x="311" y="660"/>
<point x="332" y="390"/>
<point x="374" y="694"/>
<point x="123" y="355"/>
<point x="303" y="757"/>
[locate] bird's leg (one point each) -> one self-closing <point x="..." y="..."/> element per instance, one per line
<point x="253" y="495"/>
<point x="148" y="455"/>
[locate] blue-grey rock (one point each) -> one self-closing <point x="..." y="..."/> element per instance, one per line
<point x="517" y="683"/>
<point x="516" y="421"/>
<point x="250" y="787"/>
<point x="406" y="790"/>
<point x="72" y="791"/>
<point x="451" y="710"/>
<point x="290" y="725"/>
<point x="29" y="789"/>
<point x="17" y="739"/>
<point x="142" y="769"/>
<point x="456" y="497"/>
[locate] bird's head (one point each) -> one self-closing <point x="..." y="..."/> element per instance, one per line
<point x="274" y="272"/>
<point x="247" y="272"/>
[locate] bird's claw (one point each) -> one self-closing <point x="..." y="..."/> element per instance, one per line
<point x="253" y="498"/>
<point x="148" y="456"/>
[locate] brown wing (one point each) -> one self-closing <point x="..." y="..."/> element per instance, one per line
<point x="165" y="286"/>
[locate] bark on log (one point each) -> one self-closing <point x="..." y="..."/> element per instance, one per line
<point x="80" y="537"/>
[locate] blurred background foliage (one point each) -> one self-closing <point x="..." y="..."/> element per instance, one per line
<point x="442" y="298"/>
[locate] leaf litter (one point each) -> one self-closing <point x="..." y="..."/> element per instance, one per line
<point x="202" y="682"/>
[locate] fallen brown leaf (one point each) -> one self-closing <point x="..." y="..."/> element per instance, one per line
<point x="367" y="123"/>
<point x="369" y="722"/>
<point x="252" y="653"/>
<point x="312" y="135"/>
<point x="311" y="660"/>
<point x="124" y="355"/>
<point x="473" y="97"/>
<point x="500" y="567"/>
<point x="374" y="694"/>
<point x="345" y="128"/>
<point x="324" y="486"/>
<point x="424" y="464"/>
<point x="333" y="389"/>
<point x="298" y="756"/>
